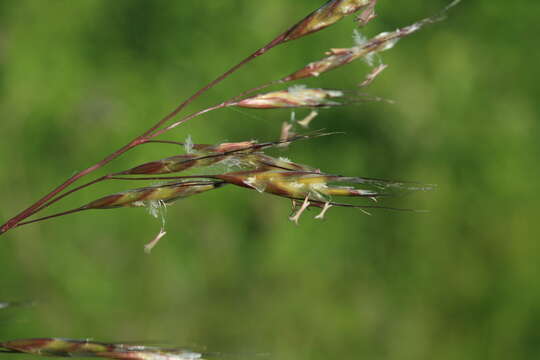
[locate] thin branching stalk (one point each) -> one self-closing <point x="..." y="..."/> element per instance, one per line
<point x="328" y="14"/>
<point x="274" y="174"/>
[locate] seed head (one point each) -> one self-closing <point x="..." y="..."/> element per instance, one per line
<point x="292" y="98"/>
<point x="244" y="155"/>
<point x="326" y="15"/>
<point x="166" y="193"/>
<point x="382" y="42"/>
<point x="297" y="184"/>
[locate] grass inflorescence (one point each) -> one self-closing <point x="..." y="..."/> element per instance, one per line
<point x="245" y="163"/>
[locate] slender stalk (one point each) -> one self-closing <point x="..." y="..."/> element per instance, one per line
<point x="72" y="211"/>
<point x="165" y="142"/>
<point x="60" y="197"/>
<point x="164" y="178"/>
<point x="224" y="104"/>
<point x="11" y="223"/>
<point x="183" y="120"/>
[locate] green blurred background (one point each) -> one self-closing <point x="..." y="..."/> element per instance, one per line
<point x="80" y="78"/>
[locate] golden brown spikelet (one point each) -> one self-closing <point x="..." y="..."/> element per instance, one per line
<point x="293" y="97"/>
<point x="328" y="14"/>
<point x="164" y="193"/>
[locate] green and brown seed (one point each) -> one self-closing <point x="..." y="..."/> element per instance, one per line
<point x="244" y="155"/>
<point x="343" y="56"/>
<point x="165" y="193"/>
<point x="293" y="97"/>
<point x="307" y="184"/>
<point x="327" y="15"/>
<point x="56" y="347"/>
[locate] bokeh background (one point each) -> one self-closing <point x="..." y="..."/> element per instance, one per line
<point x="80" y="78"/>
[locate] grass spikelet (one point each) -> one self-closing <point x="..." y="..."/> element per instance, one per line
<point x="294" y="97"/>
<point x="382" y="42"/>
<point x="312" y="184"/>
<point x="164" y="194"/>
<point x="199" y="156"/>
<point x="243" y="155"/>
<point x="317" y="189"/>
<point x="327" y="15"/>
<point x="58" y="347"/>
<point x="143" y="197"/>
<point x="269" y="162"/>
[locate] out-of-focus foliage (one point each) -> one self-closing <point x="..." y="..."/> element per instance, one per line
<point x="80" y="78"/>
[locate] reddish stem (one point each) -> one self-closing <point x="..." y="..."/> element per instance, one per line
<point x="11" y="223"/>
